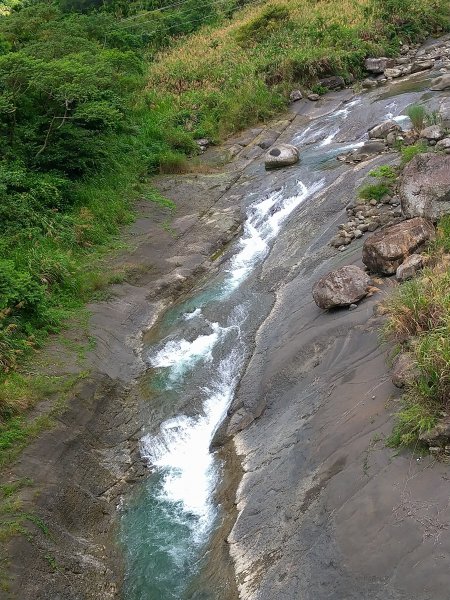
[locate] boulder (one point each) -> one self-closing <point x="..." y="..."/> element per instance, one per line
<point x="281" y="155"/>
<point x="444" y="113"/>
<point x="365" y="152"/>
<point x="203" y="144"/>
<point x="425" y="186"/>
<point x="382" y="130"/>
<point x="341" y="287"/>
<point x="394" y="72"/>
<point x="439" y="435"/>
<point x="432" y="133"/>
<point x="295" y="96"/>
<point x="421" y="65"/>
<point x="405" y="370"/>
<point x="333" y="83"/>
<point x="444" y="144"/>
<point x="369" y="83"/>
<point x="409" y="267"/>
<point x="313" y="97"/>
<point x="441" y="83"/>
<point x="385" y="250"/>
<point x="378" y="65"/>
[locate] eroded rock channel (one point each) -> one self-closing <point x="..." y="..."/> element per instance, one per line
<point x="245" y="362"/>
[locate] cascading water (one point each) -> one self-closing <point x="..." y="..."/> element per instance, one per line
<point x="167" y="528"/>
<point x="178" y="505"/>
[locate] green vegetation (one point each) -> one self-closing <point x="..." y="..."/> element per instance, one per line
<point x="387" y="176"/>
<point x="409" y="152"/>
<point x="419" y="322"/>
<point x="97" y="95"/>
<point x="417" y="115"/>
<point x="420" y="117"/>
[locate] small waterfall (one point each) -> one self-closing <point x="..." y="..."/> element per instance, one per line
<point x="264" y="219"/>
<point x="181" y="451"/>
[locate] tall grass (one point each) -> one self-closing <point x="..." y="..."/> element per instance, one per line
<point x="419" y="322"/>
<point x="225" y="78"/>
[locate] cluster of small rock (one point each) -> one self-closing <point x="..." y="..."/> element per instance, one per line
<point x="392" y="250"/>
<point x="366" y="217"/>
<point x="412" y="60"/>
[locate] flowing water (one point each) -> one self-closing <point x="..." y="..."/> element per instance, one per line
<point x="196" y="364"/>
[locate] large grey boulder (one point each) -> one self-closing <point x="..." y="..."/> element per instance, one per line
<point x="421" y="65"/>
<point x="378" y="65"/>
<point x="383" y="129"/>
<point x="281" y="155"/>
<point x="394" y="72"/>
<point x="366" y="151"/>
<point x="433" y="133"/>
<point x="441" y="83"/>
<point x="386" y="249"/>
<point x="341" y="287"/>
<point x="425" y="186"/>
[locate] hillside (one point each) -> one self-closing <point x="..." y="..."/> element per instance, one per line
<point x="98" y="96"/>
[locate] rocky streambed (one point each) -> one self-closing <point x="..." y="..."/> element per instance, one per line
<point x="244" y="360"/>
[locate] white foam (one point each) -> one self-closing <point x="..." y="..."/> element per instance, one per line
<point x="263" y="223"/>
<point x="181" y="355"/>
<point x="181" y="451"/>
<point x="327" y="141"/>
<point x="191" y="315"/>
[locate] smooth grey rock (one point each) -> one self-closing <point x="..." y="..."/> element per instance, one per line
<point x="295" y="96"/>
<point x="432" y="133"/>
<point x="342" y="287"/>
<point x="382" y="130"/>
<point x="378" y="65"/>
<point x="441" y="83"/>
<point x="369" y="83"/>
<point x="421" y="65"/>
<point x="425" y="186"/>
<point x="313" y="97"/>
<point x="409" y="267"/>
<point x="281" y="155"/>
<point x="333" y="83"/>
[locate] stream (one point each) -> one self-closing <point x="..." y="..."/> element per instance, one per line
<point x="200" y="348"/>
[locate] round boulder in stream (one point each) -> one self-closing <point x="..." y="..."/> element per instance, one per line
<point x="342" y="287"/>
<point x="281" y="155"/>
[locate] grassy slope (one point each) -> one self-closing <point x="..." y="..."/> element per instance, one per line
<point x="418" y="322"/>
<point x="225" y="77"/>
